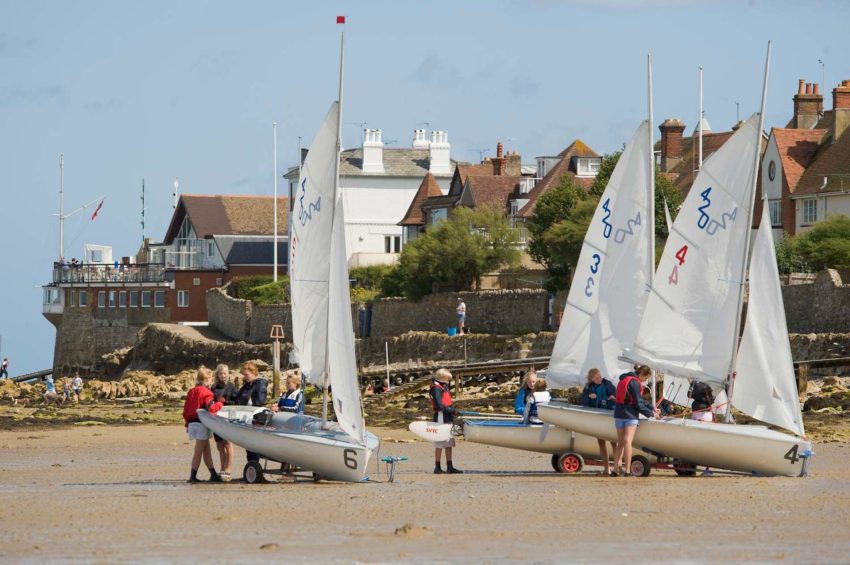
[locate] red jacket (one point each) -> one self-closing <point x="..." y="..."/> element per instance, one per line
<point x="199" y="398"/>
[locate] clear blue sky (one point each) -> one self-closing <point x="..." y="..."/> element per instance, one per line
<point x="189" y="89"/>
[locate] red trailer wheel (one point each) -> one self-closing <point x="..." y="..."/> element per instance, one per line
<point x="570" y="463"/>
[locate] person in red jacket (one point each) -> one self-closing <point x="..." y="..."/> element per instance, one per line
<point x="201" y="398"/>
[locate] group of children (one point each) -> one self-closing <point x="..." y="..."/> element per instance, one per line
<point x="72" y="390"/>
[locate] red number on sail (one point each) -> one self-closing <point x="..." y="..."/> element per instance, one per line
<point x="674" y="276"/>
<point x="680" y="254"/>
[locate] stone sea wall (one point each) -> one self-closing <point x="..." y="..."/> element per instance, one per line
<point x="819" y="307"/>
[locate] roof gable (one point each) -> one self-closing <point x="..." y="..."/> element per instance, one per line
<point x="427" y="189"/>
<point x="228" y="215"/>
<point x="796" y="148"/>
<point x="553" y="178"/>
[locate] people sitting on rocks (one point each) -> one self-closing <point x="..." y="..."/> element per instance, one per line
<point x="525" y="403"/>
<point x="225" y="392"/>
<point x="50" y="394"/>
<point x="599" y="392"/>
<point x="200" y="397"/>
<point x="292" y="399"/>
<point x="253" y="392"/>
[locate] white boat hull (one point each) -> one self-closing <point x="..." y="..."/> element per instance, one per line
<point x="539" y="438"/>
<point x="299" y="440"/>
<point x="749" y="449"/>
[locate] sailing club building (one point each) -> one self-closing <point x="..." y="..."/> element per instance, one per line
<point x="100" y="304"/>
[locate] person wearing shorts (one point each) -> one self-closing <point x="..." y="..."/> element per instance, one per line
<point x="200" y="398"/>
<point x="441" y="402"/>
<point x="628" y="407"/>
<point x="77" y="387"/>
<point x="225" y="392"/>
<point x="460" y="312"/>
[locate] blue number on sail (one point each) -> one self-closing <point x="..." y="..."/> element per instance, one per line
<point x="305" y="215"/>
<point x="594" y="268"/>
<point x="606" y="230"/>
<point x="621" y="233"/>
<point x="703" y="214"/>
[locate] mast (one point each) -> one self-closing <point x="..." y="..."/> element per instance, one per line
<point x="61" y="207"/>
<point x="339" y="20"/>
<point x="699" y="124"/>
<point x="274" y="203"/>
<point x="650" y="203"/>
<point x="739" y="318"/>
<point x="143" y="211"/>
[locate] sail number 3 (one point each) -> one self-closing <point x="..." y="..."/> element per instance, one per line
<point x="594" y="268"/>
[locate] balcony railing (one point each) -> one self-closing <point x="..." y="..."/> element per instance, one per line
<point x="99" y="273"/>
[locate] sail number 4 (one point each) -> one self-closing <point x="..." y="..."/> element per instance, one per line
<point x="680" y="256"/>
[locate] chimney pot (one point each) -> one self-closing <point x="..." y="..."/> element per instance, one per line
<point x="808" y="88"/>
<point x="816" y="89"/>
<point x="499" y="149"/>
<point x="800" y="86"/>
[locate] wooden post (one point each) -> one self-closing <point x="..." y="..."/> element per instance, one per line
<point x="276" y="335"/>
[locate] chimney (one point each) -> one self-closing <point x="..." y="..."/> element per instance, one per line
<point x="439" y="153"/>
<point x="373" y="151"/>
<point x="808" y="105"/>
<point x="419" y="140"/>
<point x="840" y="109"/>
<point x="500" y="164"/>
<point x="671" y="143"/>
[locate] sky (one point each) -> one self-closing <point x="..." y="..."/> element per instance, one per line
<point x="159" y="90"/>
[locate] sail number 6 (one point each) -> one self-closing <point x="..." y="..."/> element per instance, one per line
<point x="680" y="256"/>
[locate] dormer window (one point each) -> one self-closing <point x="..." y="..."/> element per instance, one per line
<point x="588" y="166"/>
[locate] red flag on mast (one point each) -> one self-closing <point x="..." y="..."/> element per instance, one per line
<point x="340" y="19"/>
<point x="99" y="206"/>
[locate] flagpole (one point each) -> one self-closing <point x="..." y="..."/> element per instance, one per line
<point x="274" y="203"/>
<point x="61" y="207"/>
<point x="699" y="124"/>
<point x="143" y="211"/>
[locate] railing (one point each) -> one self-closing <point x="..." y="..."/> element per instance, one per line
<point x="99" y="273"/>
<point x="186" y="253"/>
<point x="521" y="234"/>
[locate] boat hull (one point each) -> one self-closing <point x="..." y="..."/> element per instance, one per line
<point x="296" y="439"/>
<point x="539" y="438"/>
<point x="749" y="449"/>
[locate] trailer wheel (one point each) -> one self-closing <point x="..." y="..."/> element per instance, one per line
<point x="570" y="463"/>
<point x="684" y="469"/>
<point x="555" y="463"/>
<point x="253" y="473"/>
<point x="640" y="466"/>
<point x="317" y="477"/>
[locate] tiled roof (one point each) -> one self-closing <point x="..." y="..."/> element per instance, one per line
<point x="491" y="190"/>
<point x="797" y="148"/>
<point x="441" y="201"/>
<point x="824" y="122"/>
<point x="831" y="159"/>
<point x="397" y="163"/>
<point x="427" y="189"/>
<point x="682" y="175"/>
<point x="553" y="178"/>
<point x="228" y="215"/>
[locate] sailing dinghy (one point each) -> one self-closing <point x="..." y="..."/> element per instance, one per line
<point x="602" y="313"/>
<point x="690" y="326"/>
<point x="323" y="336"/>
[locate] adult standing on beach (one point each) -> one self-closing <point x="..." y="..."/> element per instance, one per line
<point x="200" y="398"/>
<point x="50" y="394"/>
<point x="627" y="410"/>
<point x="252" y="393"/>
<point x="225" y="392"/>
<point x="441" y="402"/>
<point x="4" y="368"/>
<point x="460" y="311"/>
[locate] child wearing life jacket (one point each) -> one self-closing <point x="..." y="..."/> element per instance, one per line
<point x="441" y="402"/>
<point x="292" y="399"/>
<point x="525" y="403"/>
<point x="201" y="398"/>
<point x="627" y="409"/>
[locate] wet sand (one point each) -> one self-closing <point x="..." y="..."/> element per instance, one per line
<point x="113" y="493"/>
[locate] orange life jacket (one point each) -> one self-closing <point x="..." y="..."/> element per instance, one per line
<point x="623" y="396"/>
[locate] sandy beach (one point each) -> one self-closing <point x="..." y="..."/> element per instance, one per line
<point x="118" y="493"/>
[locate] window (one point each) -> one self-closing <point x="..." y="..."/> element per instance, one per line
<point x="438" y="214"/>
<point x="775" y="213"/>
<point x="101" y="299"/>
<point x="219" y="281"/>
<point x="122" y="299"/>
<point x="72" y="298"/>
<point x="587" y="167"/>
<point x="146" y="299"/>
<point x="96" y="255"/>
<point x="210" y="248"/>
<point x="84" y="298"/>
<point x="196" y="281"/>
<point x="810" y="211"/>
<point x="392" y="243"/>
<point x="134" y="299"/>
<point x="159" y="298"/>
<point x="183" y="298"/>
<point x="112" y="299"/>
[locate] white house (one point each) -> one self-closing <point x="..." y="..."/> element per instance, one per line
<point x="378" y="184"/>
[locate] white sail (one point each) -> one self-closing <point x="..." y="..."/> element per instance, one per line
<point x="688" y="327"/>
<point x="765" y="386"/>
<point x="667" y="217"/>
<point x="612" y="276"/>
<point x="342" y="366"/>
<point x="310" y="240"/>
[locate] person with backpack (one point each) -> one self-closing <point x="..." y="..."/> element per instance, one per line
<point x="599" y="392"/>
<point x="201" y="398"/>
<point x="629" y="405"/>
<point x="444" y="411"/>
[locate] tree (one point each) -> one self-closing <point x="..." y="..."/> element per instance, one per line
<point x="552" y="208"/>
<point x="457" y="251"/>
<point x="826" y="245"/>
